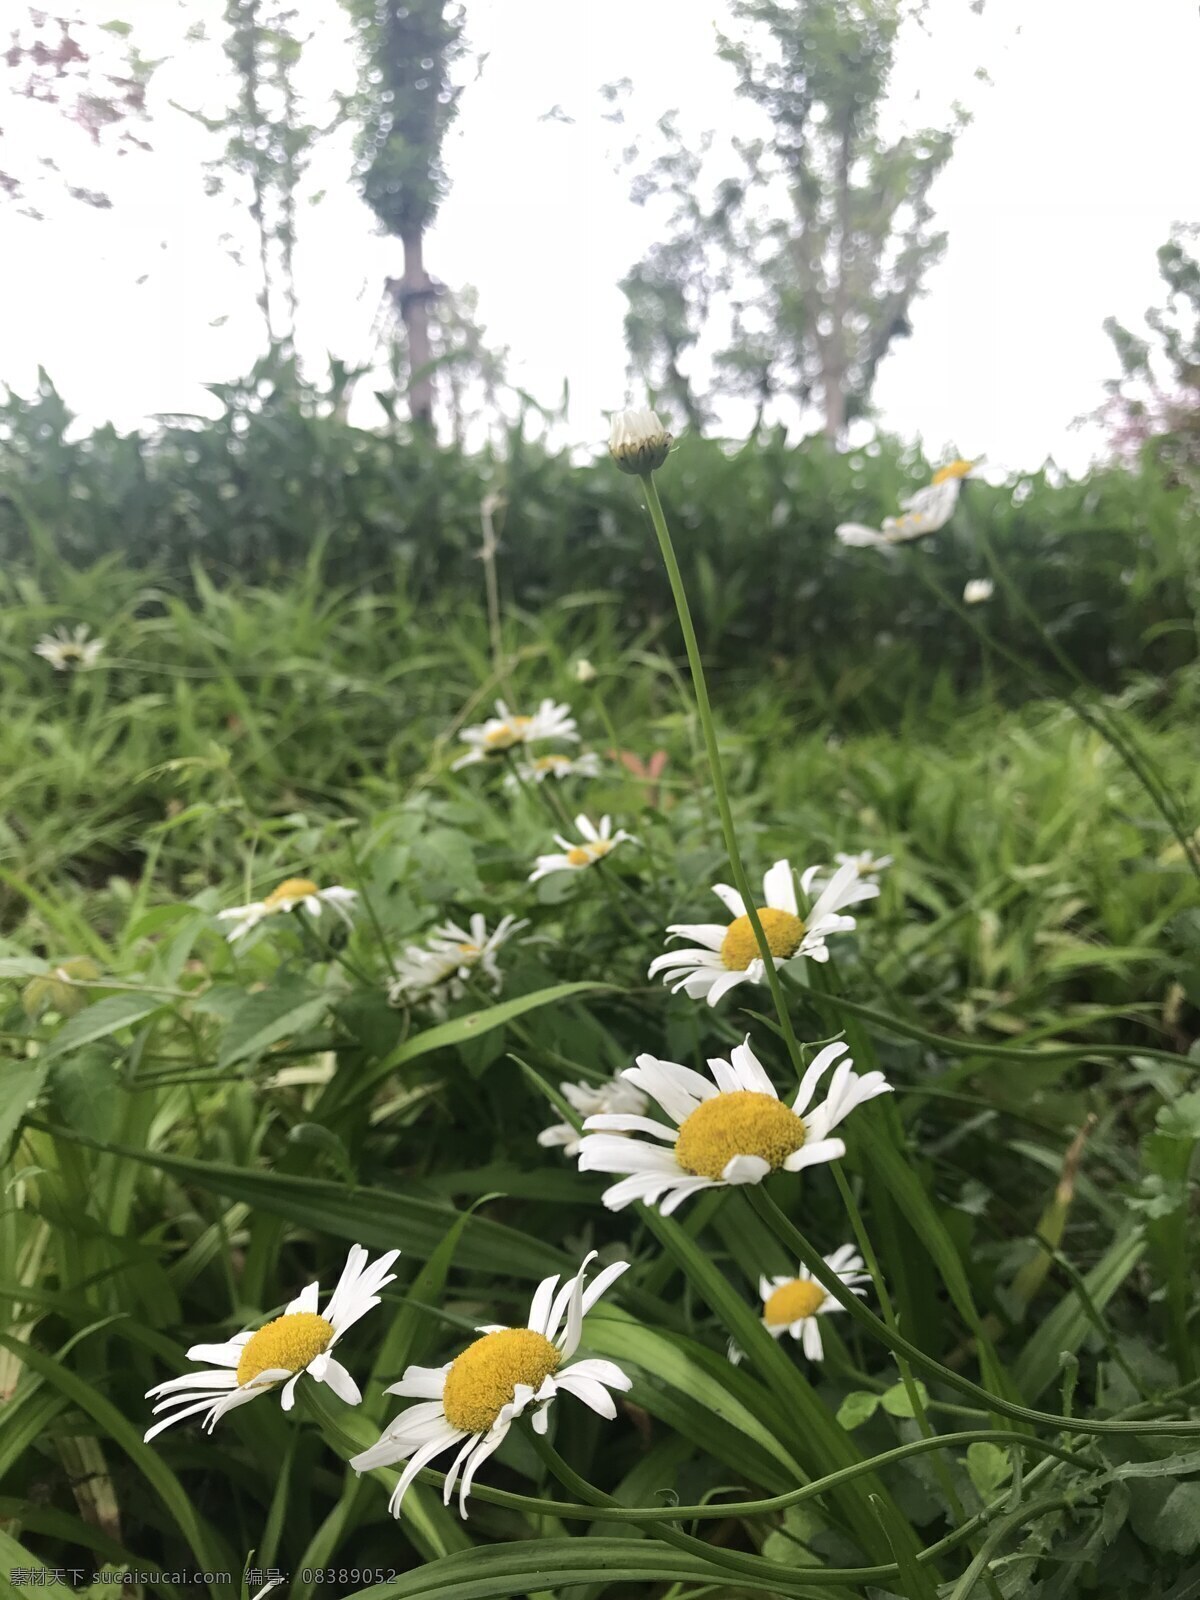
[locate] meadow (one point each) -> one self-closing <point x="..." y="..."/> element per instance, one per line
<point x="198" y="1126"/>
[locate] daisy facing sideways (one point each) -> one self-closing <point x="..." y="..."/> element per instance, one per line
<point x="280" y="1352"/>
<point x="506" y="730"/>
<point x="593" y="844"/>
<point x="472" y="1402"/>
<point x="439" y="971"/>
<point x="722" y="955"/>
<point x="292" y="894"/>
<point x="538" y="768"/>
<point x="732" y="1130"/>
<point x="924" y="512"/>
<point x="792" y="1305"/>
<point x="589" y="1100"/>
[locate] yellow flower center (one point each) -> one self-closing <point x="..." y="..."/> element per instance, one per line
<point x="955" y="469"/>
<point x="291" y="889"/>
<point x="582" y="855"/>
<point x="507" y="733"/>
<point x="290" y="1343"/>
<point x="484" y="1378"/>
<point x="791" y="1301"/>
<point x="743" y="1123"/>
<point x="783" y="934"/>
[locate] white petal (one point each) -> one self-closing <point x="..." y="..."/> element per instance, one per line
<point x="222" y="1355"/>
<point x="683" y="1191"/>
<point x="730" y="980"/>
<point x="709" y="934"/>
<point x="288" y="1398"/>
<point x="486" y="1447"/>
<point x="813" y="1153"/>
<point x="821" y="1063"/>
<point x="421" y="1383"/>
<point x="602" y="1281"/>
<point x="745" y="1169"/>
<point x="814" y="1349"/>
<point x="619" y="1122"/>
<point x="612" y="1152"/>
<point x="306" y="1300"/>
<point x="593" y="1394"/>
<point x="750" y="1070"/>
<point x="779" y="888"/>
<point x="543" y="1299"/>
<point x="340" y="1381"/>
<point x="730" y="899"/>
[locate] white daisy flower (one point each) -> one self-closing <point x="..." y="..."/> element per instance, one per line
<point x="505" y="731"/>
<point x="793" y="1305"/>
<point x="538" y="768"/>
<point x="439" y="970"/>
<point x="69" y="652"/>
<point x="590" y="1100"/>
<point x="734" y="1130"/>
<point x="473" y="1400"/>
<point x="300" y="1341"/>
<point x="638" y="441"/>
<point x="976" y="590"/>
<point x="723" y="955"/>
<point x="924" y="512"/>
<point x="597" y="842"/>
<point x="291" y="893"/>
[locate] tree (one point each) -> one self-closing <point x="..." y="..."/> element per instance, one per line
<point x="1157" y="396"/>
<point x="822" y="240"/>
<point x="88" y="75"/>
<point x="404" y="106"/>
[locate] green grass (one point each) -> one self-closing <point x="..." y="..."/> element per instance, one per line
<point x="211" y="1125"/>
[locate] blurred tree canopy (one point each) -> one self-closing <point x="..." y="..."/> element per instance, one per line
<point x="815" y="248"/>
<point x="1157" y="396"/>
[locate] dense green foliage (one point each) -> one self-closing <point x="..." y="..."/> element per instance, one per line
<point x="278" y="483"/>
<point x="287" y="667"/>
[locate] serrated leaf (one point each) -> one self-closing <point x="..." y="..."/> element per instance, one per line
<point x="86" y="1092"/>
<point x="265" y="1018"/>
<point x="102" y="1020"/>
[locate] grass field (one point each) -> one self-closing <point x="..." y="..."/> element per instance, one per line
<point x="198" y="1127"/>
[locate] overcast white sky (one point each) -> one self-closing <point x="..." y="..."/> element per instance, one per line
<point x="1080" y="156"/>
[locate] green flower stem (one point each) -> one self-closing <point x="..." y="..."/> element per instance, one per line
<point x="720" y="791"/>
<point x="797" y="1245"/>
<point x="372" y="915"/>
<point x="339" y="958"/>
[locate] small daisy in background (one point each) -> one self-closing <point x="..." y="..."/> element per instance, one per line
<point x="924" y="512"/>
<point x="573" y="855"/>
<point x="590" y="1100"/>
<point x="257" y="1361"/>
<point x="538" y="768"/>
<point x="507" y="731"/>
<point x="70" y="652"/>
<point x="977" y="590"/>
<point x="733" y="1129"/>
<point x="722" y="955"/>
<point x="474" y="1400"/>
<point x="439" y="971"/>
<point x="583" y="671"/>
<point x="291" y="895"/>
<point x="793" y="1305"/>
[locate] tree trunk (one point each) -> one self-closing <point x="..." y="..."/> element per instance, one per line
<point x="416" y="292"/>
<point x="836" y="362"/>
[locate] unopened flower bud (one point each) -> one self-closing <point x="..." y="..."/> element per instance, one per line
<point x="638" y="442"/>
<point x="978" y="590"/>
<point x="583" y="671"/>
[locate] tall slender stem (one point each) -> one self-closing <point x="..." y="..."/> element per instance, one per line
<point x="720" y="791"/>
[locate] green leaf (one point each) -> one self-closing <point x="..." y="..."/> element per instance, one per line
<point x="461" y="1029"/>
<point x="989" y="1468"/>
<point x="263" y="1019"/>
<point x="916" y="1582"/>
<point x="101" y="1020"/>
<point x="205" y="1545"/>
<point x="857" y="1408"/>
<point x="897" y="1402"/>
<point x="86" y="1092"/>
<point x="20" y="1085"/>
<point x="377" y="1218"/>
<point x="1067" y="1325"/>
<point x="1166" y="1515"/>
